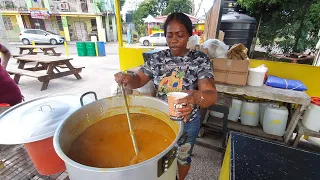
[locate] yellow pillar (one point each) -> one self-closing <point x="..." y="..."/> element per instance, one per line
<point x="65" y="27"/>
<point x="119" y="24"/>
<point x="20" y="22"/>
<point x="66" y="48"/>
<point x="100" y="29"/>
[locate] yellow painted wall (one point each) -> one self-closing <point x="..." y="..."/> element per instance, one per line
<point x="131" y="57"/>
<point x="309" y="75"/>
<point x="27" y="21"/>
<point x="13" y="35"/>
<point x="225" y="169"/>
<point x="200" y="27"/>
<point x="157" y="31"/>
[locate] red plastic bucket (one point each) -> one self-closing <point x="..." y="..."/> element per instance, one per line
<point x="44" y="158"/>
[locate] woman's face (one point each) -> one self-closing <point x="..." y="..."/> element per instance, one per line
<point x="177" y="38"/>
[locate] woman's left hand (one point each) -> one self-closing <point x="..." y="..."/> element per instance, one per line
<point x="190" y="102"/>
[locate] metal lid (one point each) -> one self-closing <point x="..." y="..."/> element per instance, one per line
<point x="37" y="119"/>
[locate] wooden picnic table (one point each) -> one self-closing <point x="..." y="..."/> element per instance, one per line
<point x="45" y="69"/>
<point x="44" y="49"/>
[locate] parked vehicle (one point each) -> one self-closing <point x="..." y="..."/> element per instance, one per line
<point x="156" y="39"/>
<point x="40" y="36"/>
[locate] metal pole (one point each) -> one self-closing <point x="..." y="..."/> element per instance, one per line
<point x="119" y="24"/>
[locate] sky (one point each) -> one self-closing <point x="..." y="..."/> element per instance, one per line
<point x="205" y="6"/>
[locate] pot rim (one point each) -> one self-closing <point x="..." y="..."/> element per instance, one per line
<point x="75" y="164"/>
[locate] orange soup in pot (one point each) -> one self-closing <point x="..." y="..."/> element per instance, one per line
<point x="108" y="144"/>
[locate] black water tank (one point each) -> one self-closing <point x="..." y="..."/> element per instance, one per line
<point x="238" y="28"/>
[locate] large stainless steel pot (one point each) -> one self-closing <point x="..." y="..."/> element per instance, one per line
<point x="163" y="166"/>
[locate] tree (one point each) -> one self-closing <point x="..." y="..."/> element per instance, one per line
<point x="122" y="3"/>
<point x="156" y="8"/>
<point x="290" y="24"/>
<point x="179" y="6"/>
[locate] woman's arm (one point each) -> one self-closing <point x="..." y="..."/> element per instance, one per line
<point x="207" y="89"/>
<point x="205" y="97"/>
<point x="132" y="80"/>
<point x="5" y="56"/>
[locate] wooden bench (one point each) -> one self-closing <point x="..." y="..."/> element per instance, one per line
<point x="23" y="72"/>
<point x="18" y="55"/>
<point x="76" y="67"/>
<point x="56" y="54"/>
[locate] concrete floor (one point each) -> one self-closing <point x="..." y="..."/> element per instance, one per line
<point x="98" y="76"/>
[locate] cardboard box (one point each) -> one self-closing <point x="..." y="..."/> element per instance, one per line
<point x="230" y="71"/>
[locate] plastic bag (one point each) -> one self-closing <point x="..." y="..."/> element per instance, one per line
<point x="216" y="48"/>
<point x="193" y="41"/>
<point x="261" y="68"/>
<point x="285" y="83"/>
<point x="238" y="51"/>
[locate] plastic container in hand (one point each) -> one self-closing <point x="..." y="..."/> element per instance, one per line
<point x="256" y="76"/>
<point x="234" y="111"/>
<point x="275" y="120"/>
<point x="250" y="113"/>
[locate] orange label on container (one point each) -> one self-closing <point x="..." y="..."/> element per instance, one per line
<point x="173" y="106"/>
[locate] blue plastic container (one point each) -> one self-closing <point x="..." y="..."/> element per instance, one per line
<point x="101" y="48"/>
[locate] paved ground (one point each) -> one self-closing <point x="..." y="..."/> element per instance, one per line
<point x="98" y="76"/>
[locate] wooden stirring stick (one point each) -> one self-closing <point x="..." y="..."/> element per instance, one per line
<point x="133" y="137"/>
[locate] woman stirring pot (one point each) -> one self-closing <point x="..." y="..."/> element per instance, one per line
<point x="179" y="69"/>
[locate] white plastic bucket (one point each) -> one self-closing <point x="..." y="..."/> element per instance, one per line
<point x="256" y="77"/>
<point x="311" y="117"/>
<point x="275" y="120"/>
<point x="234" y="111"/>
<point x="250" y="113"/>
<point x="94" y="38"/>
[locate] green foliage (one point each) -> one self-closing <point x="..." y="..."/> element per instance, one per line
<point x="291" y="25"/>
<point x="157" y="8"/>
<point x="122" y="3"/>
<point x="100" y="5"/>
<point x="156" y="28"/>
<point x="184" y="6"/>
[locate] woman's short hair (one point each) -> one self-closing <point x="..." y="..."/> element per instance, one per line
<point x="181" y="18"/>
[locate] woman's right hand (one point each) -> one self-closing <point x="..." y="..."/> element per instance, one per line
<point x="125" y="79"/>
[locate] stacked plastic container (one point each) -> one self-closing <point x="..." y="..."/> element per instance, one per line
<point x="312" y="114"/>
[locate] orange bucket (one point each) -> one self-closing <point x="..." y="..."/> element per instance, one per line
<point x="44" y="158"/>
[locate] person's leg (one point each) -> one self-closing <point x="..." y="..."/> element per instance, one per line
<point x="184" y="154"/>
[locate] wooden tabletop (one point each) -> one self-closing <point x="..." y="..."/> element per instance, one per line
<point x="36" y="46"/>
<point x="266" y="92"/>
<point x="43" y="58"/>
